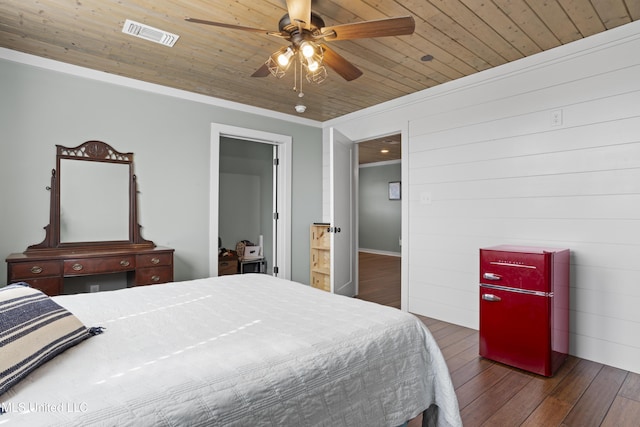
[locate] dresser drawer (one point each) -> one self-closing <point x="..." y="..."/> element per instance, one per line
<point x="27" y="270"/>
<point x="51" y="286"/>
<point x="154" y="275"/>
<point x="154" y="259"/>
<point x="111" y="264"/>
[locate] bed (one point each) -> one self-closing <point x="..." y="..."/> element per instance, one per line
<point x="241" y="350"/>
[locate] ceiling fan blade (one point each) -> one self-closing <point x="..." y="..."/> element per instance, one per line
<point x="300" y="12"/>
<point x="400" y="26"/>
<point x="231" y="26"/>
<point x="262" y="71"/>
<point x="346" y="69"/>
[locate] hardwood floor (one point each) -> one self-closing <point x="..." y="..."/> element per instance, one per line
<point x="582" y="393"/>
<point x="379" y="279"/>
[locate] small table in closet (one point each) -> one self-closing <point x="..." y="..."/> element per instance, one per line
<point x="253" y="265"/>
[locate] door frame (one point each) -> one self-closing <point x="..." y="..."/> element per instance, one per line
<point x="362" y="134"/>
<point x="282" y="257"/>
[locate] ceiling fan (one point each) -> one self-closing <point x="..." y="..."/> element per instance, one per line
<point x="306" y="32"/>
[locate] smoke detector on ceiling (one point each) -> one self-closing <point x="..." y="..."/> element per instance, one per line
<point x="149" y="33"/>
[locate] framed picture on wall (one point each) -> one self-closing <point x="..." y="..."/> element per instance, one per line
<point x="394" y="190"/>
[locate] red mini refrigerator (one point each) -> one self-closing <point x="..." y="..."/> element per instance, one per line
<point x="524" y="307"/>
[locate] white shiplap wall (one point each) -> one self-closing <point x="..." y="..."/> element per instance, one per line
<point x="487" y="166"/>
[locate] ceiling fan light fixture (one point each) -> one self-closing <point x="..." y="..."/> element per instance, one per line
<point x="312" y="65"/>
<point x="274" y="68"/>
<point x="317" y="76"/>
<point x="308" y="49"/>
<point x="279" y="61"/>
<point x="283" y="56"/>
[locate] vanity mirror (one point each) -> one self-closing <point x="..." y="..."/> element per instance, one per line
<point x="93" y="206"/>
<point x="93" y="200"/>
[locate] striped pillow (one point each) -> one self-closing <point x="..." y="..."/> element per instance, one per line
<point x="33" y="330"/>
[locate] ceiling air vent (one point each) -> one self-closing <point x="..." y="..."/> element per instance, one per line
<point x="149" y="33"/>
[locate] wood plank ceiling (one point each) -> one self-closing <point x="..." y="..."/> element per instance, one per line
<point x="380" y="149"/>
<point x="461" y="36"/>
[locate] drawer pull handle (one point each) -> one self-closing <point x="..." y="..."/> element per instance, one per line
<point x="36" y="269"/>
<point x="155" y="278"/>
<point x="491" y="298"/>
<point x="77" y="267"/>
<point x="124" y="263"/>
<point x="155" y="260"/>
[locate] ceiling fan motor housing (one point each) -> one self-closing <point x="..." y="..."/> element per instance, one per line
<point x="297" y="34"/>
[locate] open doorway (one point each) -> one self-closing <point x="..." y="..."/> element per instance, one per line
<point x="246" y="199"/>
<point x="281" y="247"/>
<point x="380" y="220"/>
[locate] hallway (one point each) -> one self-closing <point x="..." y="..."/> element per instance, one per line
<point x="379" y="279"/>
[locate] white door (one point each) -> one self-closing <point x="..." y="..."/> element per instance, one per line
<point x="342" y="214"/>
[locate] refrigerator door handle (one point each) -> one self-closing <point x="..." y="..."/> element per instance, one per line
<point x="491" y="297"/>
<point x="491" y="276"/>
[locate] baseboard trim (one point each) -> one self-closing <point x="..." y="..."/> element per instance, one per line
<point x="377" y="252"/>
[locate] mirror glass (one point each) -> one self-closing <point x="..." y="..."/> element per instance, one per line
<point x="94" y="201"/>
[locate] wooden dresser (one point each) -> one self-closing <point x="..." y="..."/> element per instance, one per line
<point x="46" y="271"/>
<point x="98" y="233"/>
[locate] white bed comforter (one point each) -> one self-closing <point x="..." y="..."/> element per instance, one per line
<point x="243" y="350"/>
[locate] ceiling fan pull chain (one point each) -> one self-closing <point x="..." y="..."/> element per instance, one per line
<point x="295" y="76"/>
<point x="300" y="94"/>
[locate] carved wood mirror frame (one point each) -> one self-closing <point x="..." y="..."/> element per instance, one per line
<point x="91" y="151"/>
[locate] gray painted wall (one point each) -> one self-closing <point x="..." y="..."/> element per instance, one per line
<point x="170" y="137"/>
<point x="379" y="219"/>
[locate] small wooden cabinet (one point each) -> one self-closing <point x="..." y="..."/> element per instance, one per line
<point x="46" y="271"/>
<point x="320" y="257"/>
<point x="227" y="265"/>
